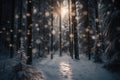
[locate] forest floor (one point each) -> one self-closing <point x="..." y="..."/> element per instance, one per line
<point x="61" y="68"/>
<point x="65" y="68"/>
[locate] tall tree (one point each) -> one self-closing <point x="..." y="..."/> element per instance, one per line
<point x="97" y="44"/>
<point x="20" y="5"/>
<point x="29" y="31"/>
<point x="60" y="34"/>
<point x="52" y="30"/>
<point x="74" y="26"/>
<point x="0" y="11"/>
<point x="39" y="46"/>
<point x="11" y="31"/>
<point x="70" y="30"/>
<point x="87" y="30"/>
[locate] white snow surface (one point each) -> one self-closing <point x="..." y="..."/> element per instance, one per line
<point x="65" y="68"/>
<point x="62" y="68"/>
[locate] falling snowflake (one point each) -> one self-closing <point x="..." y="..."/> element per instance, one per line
<point x="38" y="41"/>
<point x="46" y="26"/>
<point x="24" y="16"/>
<point x="47" y="14"/>
<point x="11" y="30"/>
<point x="16" y="16"/>
<point x="99" y="44"/>
<point x="36" y="25"/>
<point x="53" y="32"/>
<point x="0" y="31"/>
<point x="10" y="45"/>
<point x="85" y="13"/>
<point x="35" y="50"/>
<point x="93" y="37"/>
<point x="81" y="6"/>
<point x="38" y="29"/>
<point x="23" y="24"/>
<point x="28" y="14"/>
<point x="34" y="11"/>
<point x="87" y="30"/>
<point x="4" y="28"/>
<point x="71" y="35"/>
<point x="96" y="20"/>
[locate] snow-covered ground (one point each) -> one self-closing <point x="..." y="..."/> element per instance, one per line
<point x="61" y="68"/>
<point x="65" y="68"/>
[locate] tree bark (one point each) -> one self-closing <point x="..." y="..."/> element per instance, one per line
<point x="74" y="26"/>
<point x="97" y="51"/>
<point x="29" y="31"/>
<point x="12" y="31"/>
<point x="0" y="19"/>
<point x="51" y="29"/>
<point x="70" y="31"/>
<point x="60" y="34"/>
<point x="19" y="25"/>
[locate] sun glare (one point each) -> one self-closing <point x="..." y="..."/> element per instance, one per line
<point x="64" y="11"/>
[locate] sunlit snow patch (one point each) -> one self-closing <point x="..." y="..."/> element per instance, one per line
<point x="65" y="70"/>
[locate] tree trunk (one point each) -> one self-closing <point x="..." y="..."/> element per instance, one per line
<point x="60" y="34"/>
<point x="74" y="26"/>
<point x="97" y="51"/>
<point x="51" y="29"/>
<point x="11" y="31"/>
<point x="70" y="31"/>
<point x="29" y="31"/>
<point x="0" y="12"/>
<point x="88" y="31"/>
<point x="19" y="25"/>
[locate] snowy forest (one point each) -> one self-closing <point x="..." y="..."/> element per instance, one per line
<point x="59" y="39"/>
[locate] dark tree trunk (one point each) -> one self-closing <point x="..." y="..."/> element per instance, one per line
<point x="29" y="31"/>
<point x="87" y="31"/>
<point x="39" y="45"/>
<point x="74" y="26"/>
<point x="97" y="45"/>
<point x="60" y="34"/>
<point x="51" y="29"/>
<point x="12" y="31"/>
<point x="0" y="12"/>
<point x="70" y="31"/>
<point x="19" y="25"/>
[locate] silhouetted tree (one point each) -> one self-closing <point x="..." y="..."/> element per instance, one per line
<point x="51" y="29"/>
<point x="0" y="11"/>
<point x="97" y="45"/>
<point x="60" y="34"/>
<point x="19" y="34"/>
<point x="74" y="26"/>
<point x="29" y="31"/>
<point x="70" y="30"/>
<point x="12" y="31"/>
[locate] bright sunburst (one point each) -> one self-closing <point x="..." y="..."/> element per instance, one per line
<point x="64" y="11"/>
